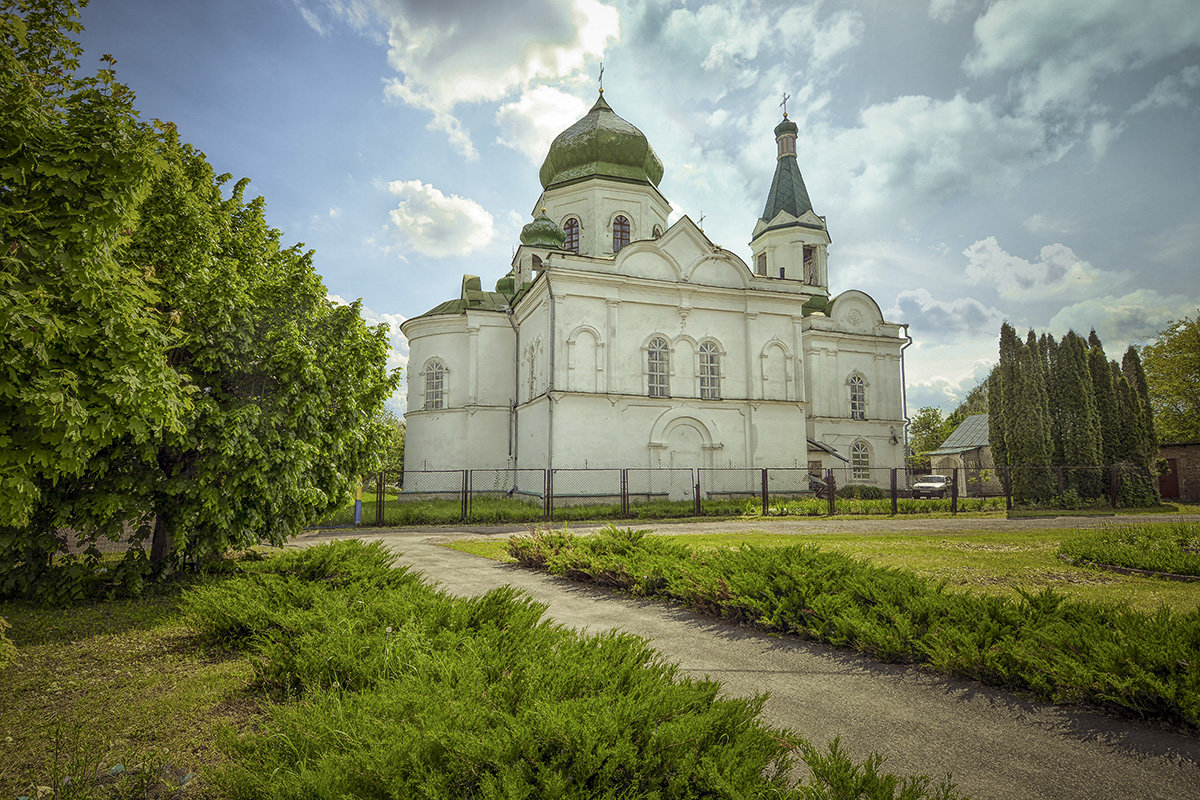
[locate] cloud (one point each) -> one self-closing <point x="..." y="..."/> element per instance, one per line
<point x="1047" y="224"/>
<point x="1056" y="271"/>
<point x="1059" y="50"/>
<point x="963" y="315"/>
<point x="530" y="123"/>
<point x="435" y="224"/>
<point x="461" y="51"/>
<point x="944" y="10"/>
<point x="913" y="152"/>
<point x="1173" y="91"/>
<point x="397" y="357"/>
<point x="946" y="393"/>
<point x="1120" y="321"/>
<point x="1179" y="244"/>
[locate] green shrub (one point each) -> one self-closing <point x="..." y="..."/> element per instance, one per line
<point x="1173" y="548"/>
<point x="385" y="687"/>
<point x="1057" y="650"/>
<point x="858" y="491"/>
<point x="8" y="651"/>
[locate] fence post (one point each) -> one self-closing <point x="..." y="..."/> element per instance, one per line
<point x="549" y="494"/>
<point x="893" y="491"/>
<point x="624" y="493"/>
<point x="1113" y="486"/>
<point x="1060" y="482"/>
<point x="831" y="487"/>
<point x="379" y="498"/>
<point x="696" y="495"/>
<point x="765" y="496"/>
<point x="1008" y="488"/>
<point x="954" y="490"/>
<point x="466" y="492"/>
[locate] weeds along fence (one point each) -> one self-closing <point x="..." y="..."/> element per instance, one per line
<point x="424" y="497"/>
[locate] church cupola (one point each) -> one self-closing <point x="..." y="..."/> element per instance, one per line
<point x="542" y="232"/>
<point x="600" y="185"/>
<point x="789" y="239"/>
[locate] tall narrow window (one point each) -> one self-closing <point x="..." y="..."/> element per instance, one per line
<point x="435" y="385"/>
<point x="858" y="398"/>
<point x="710" y="372"/>
<point x="657" y="368"/>
<point x="762" y="263"/>
<point x="860" y="461"/>
<point x="572" y="231"/>
<point x="620" y="233"/>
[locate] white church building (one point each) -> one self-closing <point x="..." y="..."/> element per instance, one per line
<point x="617" y="340"/>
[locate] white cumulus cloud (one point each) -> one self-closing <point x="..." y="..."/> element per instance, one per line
<point x="530" y="123"/>
<point x="1120" y="321"/>
<point x="436" y="224"/>
<point x="1056" y="271"/>
<point x="940" y="319"/>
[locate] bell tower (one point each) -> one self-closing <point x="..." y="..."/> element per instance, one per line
<point x="789" y="239"/>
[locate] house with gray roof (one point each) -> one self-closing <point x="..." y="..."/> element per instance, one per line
<point x="966" y="449"/>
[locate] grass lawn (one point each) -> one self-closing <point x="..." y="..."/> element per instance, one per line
<point x="982" y="562"/>
<point x="106" y="683"/>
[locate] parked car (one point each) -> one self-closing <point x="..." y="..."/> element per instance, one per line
<point x="931" y="486"/>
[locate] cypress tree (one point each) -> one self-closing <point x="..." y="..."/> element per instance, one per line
<point x="1077" y="420"/>
<point x="1131" y="366"/>
<point x="1104" y="392"/>
<point x="1056" y="409"/>
<point x="1030" y="447"/>
<point x="1000" y="397"/>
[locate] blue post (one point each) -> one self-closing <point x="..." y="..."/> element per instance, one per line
<point x="358" y="505"/>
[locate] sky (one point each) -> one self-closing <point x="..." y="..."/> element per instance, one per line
<point x="976" y="162"/>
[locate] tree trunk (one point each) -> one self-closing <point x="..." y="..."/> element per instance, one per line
<point x="161" y="545"/>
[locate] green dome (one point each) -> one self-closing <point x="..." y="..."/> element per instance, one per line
<point x="787" y="126"/>
<point x="603" y="145"/>
<point x="542" y="232"/>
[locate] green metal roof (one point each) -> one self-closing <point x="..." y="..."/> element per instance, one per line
<point x="787" y="190"/>
<point x="542" y="232"/>
<point x="603" y="145"/>
<point x="473" y="298"/>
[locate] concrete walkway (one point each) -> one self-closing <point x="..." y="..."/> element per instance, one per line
<point x="993" y="744"/>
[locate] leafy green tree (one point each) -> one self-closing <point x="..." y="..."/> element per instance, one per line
<point x="1172" y="372"/>
<point x="82" y="358"/>
<point x="181" y="367"/>
<point x="392" y="449"/>
<point x="927" y="431"/>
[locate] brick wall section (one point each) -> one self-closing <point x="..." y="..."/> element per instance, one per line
<point x="1187" y="465"/>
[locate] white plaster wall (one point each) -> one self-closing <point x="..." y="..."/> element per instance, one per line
<point x="595" y="203"/>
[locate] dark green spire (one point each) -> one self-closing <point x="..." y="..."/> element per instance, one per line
<point x="788" y="192"/>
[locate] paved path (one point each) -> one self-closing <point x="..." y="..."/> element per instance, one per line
<point x="995" y="746"/>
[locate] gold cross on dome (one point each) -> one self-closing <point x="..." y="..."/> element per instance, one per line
<point x="601" y="77"/>
<point x="786" y="97"/>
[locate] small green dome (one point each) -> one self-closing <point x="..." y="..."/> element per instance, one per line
<point x="603" y="145"/>
<point x="542" y="232"/>
<point x="787" y="126"/>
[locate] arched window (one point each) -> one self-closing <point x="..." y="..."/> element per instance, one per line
<point x="657" y="368"/>
<point x="435" y="385"/>
<point x="620" y="233"/>
<point x="858" y="397"/>
<point x="710" y="372"/>
<point x="572" y="231"/>
<point x="657" y="231"/>
<point x="860" y="461"/>
<point x="762" y="263"/>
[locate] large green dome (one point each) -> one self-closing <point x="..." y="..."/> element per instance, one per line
<point x="603" y="145"/>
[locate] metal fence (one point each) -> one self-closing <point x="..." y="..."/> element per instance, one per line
<point x="531" y="495"/>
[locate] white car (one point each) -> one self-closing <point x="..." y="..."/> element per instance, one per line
<point x="931" y="486"/>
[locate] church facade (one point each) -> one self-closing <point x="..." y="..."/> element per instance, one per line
<point x="618" y="340"/>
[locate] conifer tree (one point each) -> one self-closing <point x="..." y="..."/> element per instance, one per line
<point x="1076" y="418"/>
<point x="1131" y="366"/>
<point x="1106" y="400"/>
<point x="1029" y="448"/>
<point x="1000" y="398"/>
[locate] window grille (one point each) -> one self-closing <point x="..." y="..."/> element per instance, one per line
<point x="620" y="233"/>
<point x="858" y="398"/>
<point x="860" y="461"/>
<point x="710" y="372"/>
<point x="572" y="231"/>
<point x="657" y="368"/>
<point x="435" y="385"/>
